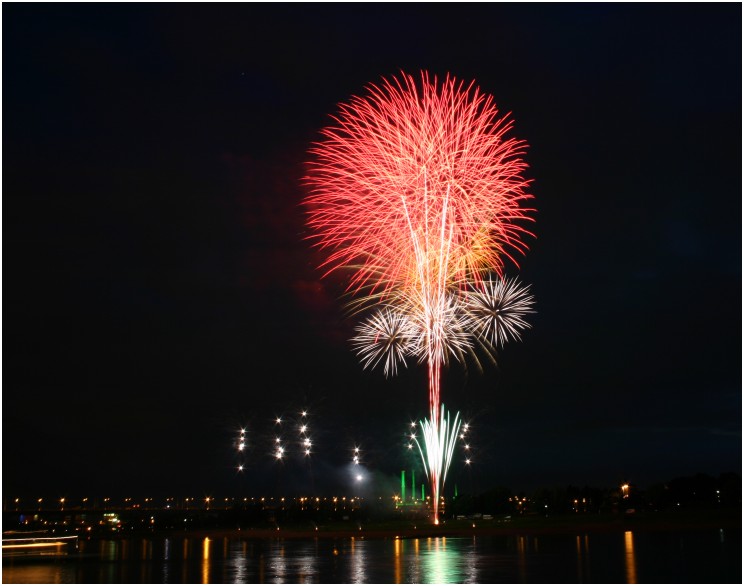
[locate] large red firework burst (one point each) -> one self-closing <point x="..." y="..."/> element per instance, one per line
<point x="423" y="165"/>
<point x="417" y="189"/>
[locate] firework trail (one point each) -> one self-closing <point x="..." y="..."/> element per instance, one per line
<point x="417" y="189"/>
<point x="440" y="440"/>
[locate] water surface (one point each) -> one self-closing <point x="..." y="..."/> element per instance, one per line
<point x="624" y="557"/>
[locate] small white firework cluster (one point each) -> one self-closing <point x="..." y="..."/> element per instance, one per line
<point x="387" y="336"/>
<point x="497" y="311"/>
<point x="490" y="315"/>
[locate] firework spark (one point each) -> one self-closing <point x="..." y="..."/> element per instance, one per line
<point x="491" y="314"/>
<point x="389" y="336"/>
<point x="386" y="336"/>
<point x="440" y="439"/>
<point x="497" y="310"/>
<point x="417" y="189"/>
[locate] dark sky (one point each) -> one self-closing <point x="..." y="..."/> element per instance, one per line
<point x="159" y="291"/>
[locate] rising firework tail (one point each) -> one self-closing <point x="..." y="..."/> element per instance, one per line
<point x="418" y="191"/>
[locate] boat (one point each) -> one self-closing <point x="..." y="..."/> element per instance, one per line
<point x="37" y="545"/>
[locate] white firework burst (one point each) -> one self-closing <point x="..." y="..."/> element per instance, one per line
<point x="441" y="327"/>
<point x="386" y="336"/>
<point x="496" y="310"/>
<point x="434" y="330"/>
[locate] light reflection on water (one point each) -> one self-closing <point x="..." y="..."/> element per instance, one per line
<point x="629" y="557"/>
<point x="583" y="562"/>
<point x="358" y="561"/>
<point x="630" y="564"/>
<point x="206" y="560"/>
<point x="440" y="564"/>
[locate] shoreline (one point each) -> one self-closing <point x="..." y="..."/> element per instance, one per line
<point x="452" y="529"/>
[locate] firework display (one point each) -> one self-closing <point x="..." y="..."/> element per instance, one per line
<point x="417" y="191"/>
<point x="440" y="439"/>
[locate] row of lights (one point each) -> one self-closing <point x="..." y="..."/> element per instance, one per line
<point x="128" y="501"/>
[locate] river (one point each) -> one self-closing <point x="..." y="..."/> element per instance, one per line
<point x="704" y="556"/>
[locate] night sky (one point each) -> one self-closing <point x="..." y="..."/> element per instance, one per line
<point x="160" y="292"/>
